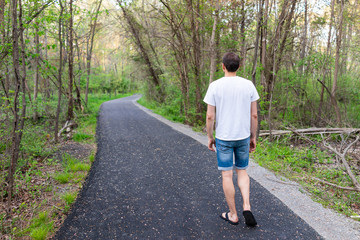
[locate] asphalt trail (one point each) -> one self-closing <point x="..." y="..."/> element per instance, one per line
<point x="149" y="181"/>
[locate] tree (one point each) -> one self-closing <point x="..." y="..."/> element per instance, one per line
<point x="70" y="112"/>
<point x="90" y="45"/>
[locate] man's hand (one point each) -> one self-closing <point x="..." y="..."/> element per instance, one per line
<point x="252" y="144"/>
<point x="211" y="144"/>
<point x="210" y="118"/>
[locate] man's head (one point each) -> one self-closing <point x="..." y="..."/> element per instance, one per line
<point x="231" y="61"/>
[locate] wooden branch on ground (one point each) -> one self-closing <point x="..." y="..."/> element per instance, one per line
<point x="335" y="185"/>
<point x="67" y="125"/>
<point x="344" y="162"/>
<point x="325" y="146"/>
<point x="310" y="131"/>
<point x="307" y="139"/>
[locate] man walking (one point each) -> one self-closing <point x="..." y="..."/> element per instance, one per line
<point x="232" y="102"/>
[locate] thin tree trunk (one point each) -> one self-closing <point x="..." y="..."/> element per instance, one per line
<point x="46" y="80"/>
<point x="59" y="72"/>
<point x="19" y="82"/>
<point x="77" y="85"/>
<point x="263" y="44"/>
<point x="22" y="41"/>
<point x="154" y="76"/>
<point x="213" y="45"/>
<point x="196" y="55"/>
<point x="304" y="40"/>
<point x="337" y="58"/>
<point x="242" y="35"/>
<point x="260" y="15"/>
<point x="36" y="77"/>
<point x="2" y="25"/>
<point x="325" y="64"/>
<point x="70" y="112"/>
<point x="234" y="26"/>
<point x="89" y="49"/>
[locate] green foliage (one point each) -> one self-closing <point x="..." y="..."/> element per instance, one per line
<point x="69" y="197"/>
<point x="80" y="137"/>
<point x="92" y="158"/>
<point x="80" y="167"/>
<point x="63" y="177"/>
<point x="40" y="226"/>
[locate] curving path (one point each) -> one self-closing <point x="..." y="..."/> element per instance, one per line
<point x="149" y="181"/>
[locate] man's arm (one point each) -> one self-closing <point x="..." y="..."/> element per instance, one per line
<point x="210" y="119"/>
<point x="254" y="124"/>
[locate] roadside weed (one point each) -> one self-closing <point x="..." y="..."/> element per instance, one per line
<point x="80" y="137"/>
<point x="69" y="197"/>
<point x="63" y="177"/>
<point x="40" y="226"/>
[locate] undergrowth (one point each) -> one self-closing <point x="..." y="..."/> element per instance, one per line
<point x="46" y="186"/>
<point x="303" y="163"/>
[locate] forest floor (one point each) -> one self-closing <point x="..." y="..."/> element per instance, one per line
<point x="49" y="176"/>
<point x="45" y="197"/>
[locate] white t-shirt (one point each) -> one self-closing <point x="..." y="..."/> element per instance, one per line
<point x="232" y="97"/>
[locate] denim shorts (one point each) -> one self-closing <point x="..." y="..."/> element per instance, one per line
<point x="226" y="150"/>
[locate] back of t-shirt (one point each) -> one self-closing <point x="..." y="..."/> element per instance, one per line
<point x="232" y="97"/>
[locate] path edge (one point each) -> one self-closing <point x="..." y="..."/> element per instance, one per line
<point x="328" y="223"/>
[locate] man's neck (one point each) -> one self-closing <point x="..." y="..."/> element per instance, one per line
<point x="230" y="74"/>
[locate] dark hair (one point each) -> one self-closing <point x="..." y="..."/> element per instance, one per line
<point x="231" y="61"/>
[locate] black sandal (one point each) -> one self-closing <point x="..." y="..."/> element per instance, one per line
<point x="249" y="218"/>
<point x="226" y="218"/>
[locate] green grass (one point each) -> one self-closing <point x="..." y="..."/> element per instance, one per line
<point x="80" y="167"/>
<point x="71" y="168"/>
<point x="168" y="111"/>
<point x="63" y="177"/>
<point x="69" y="197"/>
<point x="40" y="226"/>
<point x="80" y="137"/>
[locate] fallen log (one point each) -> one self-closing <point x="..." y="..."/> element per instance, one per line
<point x="310" y="131"/>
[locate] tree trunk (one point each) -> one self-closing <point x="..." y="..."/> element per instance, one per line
<point x="70" y="112"/>
<point x="260" y="15"/>
<point x="89" y="49"/>
<point x="36" y="76"/>
<point x="77" y="85"/>
<point x="59" y="72"/>
<point x="16" y="137"/>
<point x="2" y="25"/>
<point x="46" y="79"/>
<point x="213" y="45"/>
<point x="304" y="40"/>
<point x="325" y="64"/>
<point x="263" y="44"/>
<point x="337" y="58"/>
<point x="234" y="26"/>
<point x="196" y="55"/>
<point x="142" y="50"/>
<point x="276" y="51"/>
<point x="242" y="35"/>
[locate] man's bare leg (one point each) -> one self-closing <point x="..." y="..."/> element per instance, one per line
<point x="243" y="181"/>
<point x="229" y="191"/>
<point x="244" y="185"/>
